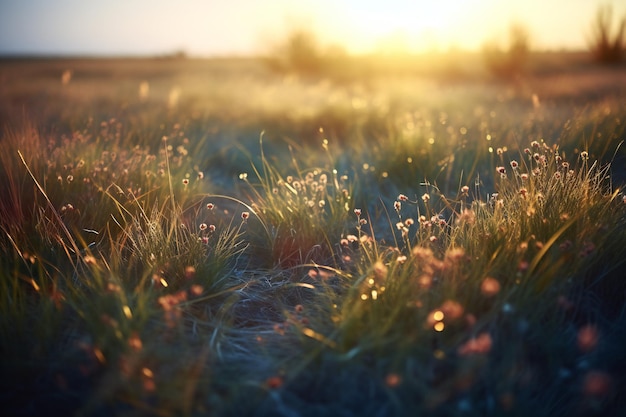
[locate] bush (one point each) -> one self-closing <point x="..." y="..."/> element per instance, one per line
<point x="607" y="47"/>
<point x="511" y="62"/>
<point x="299" y="52"/>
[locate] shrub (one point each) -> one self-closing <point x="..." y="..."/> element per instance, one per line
<point x="607" y="47"/>
<point x="299" y="53"/>
<point x="510" y="62"/>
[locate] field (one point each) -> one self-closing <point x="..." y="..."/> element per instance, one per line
<point x="387" y="237"/>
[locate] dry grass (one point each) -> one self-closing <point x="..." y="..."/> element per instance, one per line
<point x="438" y="243"/>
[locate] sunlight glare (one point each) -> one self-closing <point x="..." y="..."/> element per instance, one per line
<point x="400" y="26"/>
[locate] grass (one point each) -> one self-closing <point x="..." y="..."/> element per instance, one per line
<point x="452" y="248"/>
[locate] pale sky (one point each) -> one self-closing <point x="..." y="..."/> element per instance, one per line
<point x="219" y="27"/>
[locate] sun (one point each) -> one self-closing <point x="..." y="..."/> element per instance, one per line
<point x="413" y="26"/>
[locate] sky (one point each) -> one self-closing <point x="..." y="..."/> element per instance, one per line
<point x="242" y="27"/>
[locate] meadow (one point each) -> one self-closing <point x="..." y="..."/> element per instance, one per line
<point x="390" y="237"/>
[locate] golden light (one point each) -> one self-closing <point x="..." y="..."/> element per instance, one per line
<point x="400" y="26"/>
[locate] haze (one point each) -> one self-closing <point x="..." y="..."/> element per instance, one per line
<point x="242" y="27"/>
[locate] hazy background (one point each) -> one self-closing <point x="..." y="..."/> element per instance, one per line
<point x="243" y="27"/>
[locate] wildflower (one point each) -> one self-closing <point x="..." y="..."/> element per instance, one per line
<point x="210" y="206"/>
<point x="135" y="342"/>
<point x="245" y="215"/>
<point x="588" y="248"/>
<point x="479" y="345"/>
<point x="380" y="272"/>
<point x="534" y="144"/>
<point x="566" y="245"/>
<point x="409" y="222"/>
<point x="397" y="205"/>
<point x="204" y="240"/>
<point x="490" y="287"/>
<point x="425" y="280"/>
<point x="211" y="228"/>
<point x="587" y="338"/>
<point x="185" y="181"/>
<point x="597" y="384"/>
<point x="452" y="309"/>
<point x="435" y="317"/>
<point x="274" y="382"/>
<point x="426" y="197"/>
<point x="200" y="175"/>
<point x="467" y="216"/>
<point x="392" y="380"/>
<point x="203" y="226"/>
<point x="584" y="155"/>
<point x="514" y="164"/>
<point x="465" y="190"/>
<point x="402" y="197"/>
<point x="190" y="272"/>
<point x="524" y="176"/>
<point x="243" y="176"/>
<point x="501" y="170"/>
<point x="357" y="211"/>
<point x="523" y="192"/>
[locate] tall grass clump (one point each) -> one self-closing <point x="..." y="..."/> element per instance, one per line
<point x="432" y="266"/>
<point x="485" y="302"/>
<point x="109" y="271"/>
<point x="302" y="214"/>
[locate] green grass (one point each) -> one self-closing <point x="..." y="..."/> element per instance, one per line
<point x="385" y="252"/>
